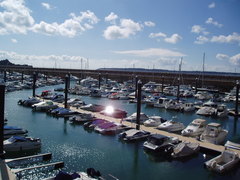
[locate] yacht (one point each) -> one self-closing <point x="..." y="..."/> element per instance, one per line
<point x="157" y="142"/>
<point x="188" y="107"/>
<point x="221" y="111"/>
<point x="44" y="106"/>
<point x="171" y="126"/>
<point x="214" y="134"/>
<point x="95" y="93"/>
<point x="203" y="95"/>
<point x="195" y="128"/>
<point x="19" y="143"/>
<point x="208" y="109"/>
<point x="133" y="117"/>
<point x="153" y="121"/>
<point x="133" y="135"/>
<point x="224" y="162"/>
<point x="173" y="105"/>
<point x="161" y="102"/>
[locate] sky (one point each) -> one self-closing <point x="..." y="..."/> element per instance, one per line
<point x="151" y="34"/>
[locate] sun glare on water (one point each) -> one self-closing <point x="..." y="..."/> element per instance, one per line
<point x="109" y="110"/>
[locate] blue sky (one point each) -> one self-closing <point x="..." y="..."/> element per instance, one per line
<point x="122" y="33"/>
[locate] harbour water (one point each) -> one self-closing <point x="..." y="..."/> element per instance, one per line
<point x="81" y="149"/>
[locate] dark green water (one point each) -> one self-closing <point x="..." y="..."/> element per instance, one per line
<point x="80" y="149"/>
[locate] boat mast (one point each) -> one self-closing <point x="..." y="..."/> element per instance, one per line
<point x="203" y="68"/>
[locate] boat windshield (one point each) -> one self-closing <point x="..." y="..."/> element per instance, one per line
<point x="156" y="141"/>
<point x="193" y="124"/>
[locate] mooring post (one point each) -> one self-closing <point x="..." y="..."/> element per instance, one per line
<point x="99" y="80"/>
<point x="139" y="98"/>
<point x="178" y="89"/>
<point x="5" y="76"/>
<point x="22" y="76"/>
<point x="106" y="78"/>
<point x="2" y="100"/>
<point x="196" y="85"/>
<point x="237" y="92"/>
<point x="69" y="76"/>
<point x="136" y="87"/>
<point x="162" y="83"/>
<point x="66" y="91"/>
<point x="34" y="83"/>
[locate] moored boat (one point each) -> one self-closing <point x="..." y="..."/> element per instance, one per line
<point x="214" y="134"/>
<point x="224" y="162"/>
<point x="18" y="143"/>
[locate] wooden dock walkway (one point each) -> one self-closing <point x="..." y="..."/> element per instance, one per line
<point x="205" y="145"/>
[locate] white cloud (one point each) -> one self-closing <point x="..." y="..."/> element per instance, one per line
<point x="201" y="40"/>
<point x="126" y="28"/>
<point x="152" y="52"/>
<point x="173" y="39"/>
<point x="111" y="17"/>
<point x="65" y="61"/>
<point x="235" y="60"/>
<point x="70" y="27"/>
<point x="14" y="40"/>
<point x="212" y="5"/>
<point x="47" y="6"/>
<point x="198" y="30"/>
<point x="234" y="37"/>
<point x="155" y="35"/>
<point x="222" y="56"/>
<point x="15" y="18"/>
<point x="149" y="23"/>
<point x="215" y="23"/>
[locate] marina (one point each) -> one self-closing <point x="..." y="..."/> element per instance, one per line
<point x="75" y="144"/>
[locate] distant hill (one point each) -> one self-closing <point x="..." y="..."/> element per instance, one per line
<point x="6" y="62"/>
<point x="170" y="71"/>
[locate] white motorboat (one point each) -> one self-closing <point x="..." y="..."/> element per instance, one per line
<point x="214" y="134"/>
<point x="221" y="111"/>
<point x="184" y="149"/>
<point x="133" y="117"/>
<point x="157" y="142"/>
<point x="203" y="95"/>
<point x="18" y="143"/>
<point x="153" y="121"/>
<point x="161" y="102"/>
<point x="224" y="162"/>
<point x="95" y="93"/>
<point x="208" y="109"/>
<point x="44" y="106"/>
<point x="188" y="107"/>
<point x="133" y="135"/>
<point x="171" y="126"/>
<point x="195" y="128"/>
<point x="173" y="105"/>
